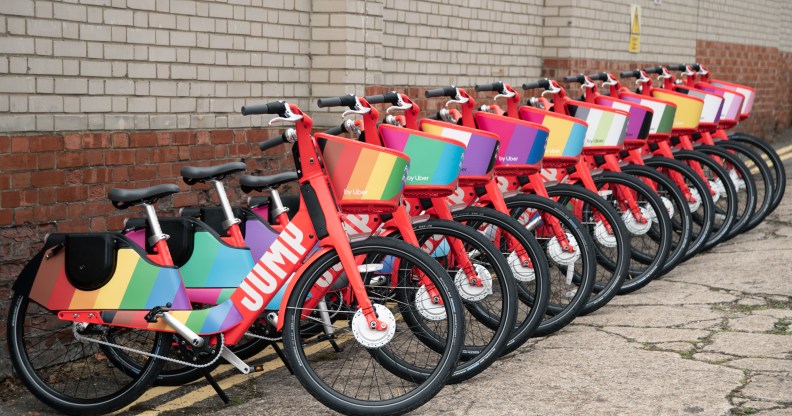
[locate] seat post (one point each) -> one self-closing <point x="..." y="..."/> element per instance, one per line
<point x="227" y="211"/>
<point x="158" y="239"/>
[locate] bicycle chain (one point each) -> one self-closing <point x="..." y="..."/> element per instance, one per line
<point x="275" y="339"/>
<point x="148" y="354"/>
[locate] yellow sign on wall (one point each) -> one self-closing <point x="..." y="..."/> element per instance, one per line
<point x="635" y="29"/>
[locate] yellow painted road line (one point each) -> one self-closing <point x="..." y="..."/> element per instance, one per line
<point x="784" y="149"/>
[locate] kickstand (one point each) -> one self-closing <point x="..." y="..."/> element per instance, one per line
<point x="281" y="356"/>
<point x="215" y="386"/>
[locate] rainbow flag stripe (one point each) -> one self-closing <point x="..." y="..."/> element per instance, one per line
<point x="202" y="321"/>
<point x="480" y="146"/>
<point x="747" y="92"/>
<point x="712" y="103"/>
<point x="433" y="160"/>
<point x="214" y="264"/>
<point x="362" y="172"/>
<point x="688" y="108"/>
<point x="522" y="142"/>
<point x="135" y="284"/>
<point x="663" y="118"/>
<point x="606" y="128"/>
<point x="732" y="101"/>
<point x="566" y="133"/>
<point x="640" y="119"/>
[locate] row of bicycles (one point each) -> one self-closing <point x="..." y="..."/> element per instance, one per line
<point x="417" y="251"/>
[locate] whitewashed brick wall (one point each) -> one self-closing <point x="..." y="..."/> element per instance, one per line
<point x="179" y="64"/>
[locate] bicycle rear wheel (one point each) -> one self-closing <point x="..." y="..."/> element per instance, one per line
<point x="75" y="376"/>
<point x="774" y="162"/>
<point x="761" y="176"/>
<point x="359" y="379"/>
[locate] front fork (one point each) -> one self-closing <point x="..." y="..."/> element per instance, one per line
<point x="624" y="197"/>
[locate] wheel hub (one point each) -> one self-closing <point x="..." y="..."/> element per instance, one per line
<point x="471" y="292"/>
<point x="427" y="307"/>
<point x="719" y="188"/>
<point x="694" y="206"/>
<point x="521" y="272"/>
<point x="603" y="236"/>
<point x="372" y="338"/>
<point x="736" y="180"/>
<point x="634" y="226"/>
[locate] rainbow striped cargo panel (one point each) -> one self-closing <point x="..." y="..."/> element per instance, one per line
<point x="664" y="111"/>
<point x="215" y="269"/>
<point x="481" y="149"/>
<point x="522" y="143"/>
<point x="688" y="109"/>
<point x="607" y="127"/>
<point x="713" y="104"/>
<point x="747" y="92"/>
<point x="435" y="162"/>
<point x="365" y="178"/>
<point x="566" y="137"/>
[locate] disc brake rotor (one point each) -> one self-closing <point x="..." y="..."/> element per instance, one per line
<point x="634" y="226"/>
<point x="603" y="236"/>
<point x="372" y="338"/>
<point x="471" y="292"/>
<point x="521" y="272"/>
<point x="426" y="306"/>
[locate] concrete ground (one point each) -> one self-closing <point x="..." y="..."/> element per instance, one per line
<point x="713" y="337"/>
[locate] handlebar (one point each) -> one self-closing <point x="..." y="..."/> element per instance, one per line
<point x="654" y="70"/>
<point x="542" y="83"/>
<point x="636" y="73"/>
<point x="441" y="92"/>
<point x="389" y="97"/>
<point x="335" y="131"/>
<point x="495" y="86"/>
<point x="575" y="78"/>
<point x="275" y="107"/>
<point x="600" y="76"/>
<point x="342" y="101"/>
<point x="273" y="142"/>
<point x="680" y="67"/>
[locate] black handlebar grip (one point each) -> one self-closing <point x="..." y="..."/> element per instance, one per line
<point x="441" y="92"/>
<point x="342" y="101"/>
<point x="389" y="97"/>
<point x="654" y="70"/>
<point x="542" y="83"/>
<point x="273" y="142"/>
<point x="275" y="107"/>
<point x="335" y="131"/>
<point x="695" y="67"/>
<point x="495" y="86"/>
<point x="575" y="78"/>
<point x="679" y="67"/>
<point x="600" y="76"/>
<point x="630" y="74"/>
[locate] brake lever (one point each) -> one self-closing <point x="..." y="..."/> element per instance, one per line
<point x="290" y="117"/>
<point x="505" y="94"/>
<point x="359" y="109"/>
<point x="400" y="105"/>
<point x="553" y="90"/>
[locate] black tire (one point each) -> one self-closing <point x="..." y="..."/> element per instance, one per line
<point x="774" y="161"/>
<point x="703" y="209"/>
<point x="741" y="179"/>
<point x="57" y="370"/>
<point x="490" y="321"/>
<point x="533" y="294"/>
<point x="602" y="223"/>
<point x="725" y="205"/>
<point x="760" y="173"/>
<point x="650" y="247"/>
<point x="383" y="393"/>
<point x="681" y="219"/>
<point x="566" y="299"/>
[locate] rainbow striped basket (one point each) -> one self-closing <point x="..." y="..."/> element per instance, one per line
<point x="365" y="178"/>
<point x="663" y="118"/>
<point x="639" y="123"/>
<point x="713" y="106"/>
<point x="481" y="150"/>
<point x="732" y="104"/>
<point x="566" y="138"/>
<point x="435" y="162"/>
<point x="688" y="110"/>
<point x="607" y="127"/>
<point x="746" y="91"/>
<point x="522" y="143"/>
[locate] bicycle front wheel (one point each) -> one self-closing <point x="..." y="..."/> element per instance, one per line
<point x="774" y="162"/>
<point x="359" y="379"/>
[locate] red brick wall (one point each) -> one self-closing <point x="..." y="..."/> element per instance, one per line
<point x="59" y="183"/>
